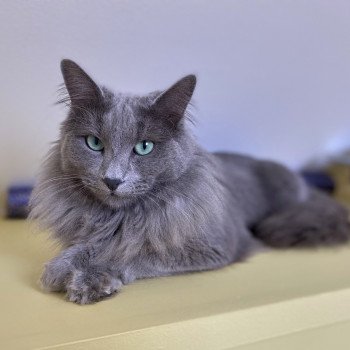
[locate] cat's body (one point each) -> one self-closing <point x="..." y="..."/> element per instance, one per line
<point x="174" y="210"/>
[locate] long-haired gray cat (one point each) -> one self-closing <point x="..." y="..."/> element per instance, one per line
<point x="129" y="194"/>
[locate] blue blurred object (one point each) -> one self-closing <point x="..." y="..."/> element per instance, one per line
<point x="18" y="200"/>
<point x="319" y="179"/>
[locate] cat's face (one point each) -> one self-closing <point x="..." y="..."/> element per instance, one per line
<point x="120" y="147"/>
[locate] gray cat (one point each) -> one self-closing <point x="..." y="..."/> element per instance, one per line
<point x="129" y="194"/>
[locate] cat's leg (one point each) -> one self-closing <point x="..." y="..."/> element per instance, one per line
<point x="195" y="256"/>
<point x="80" y="271"/>
<point x="57" y="272"/>
<point x="319" y="220"/>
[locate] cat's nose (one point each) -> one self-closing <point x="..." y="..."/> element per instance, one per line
<point x="112" y="184"/>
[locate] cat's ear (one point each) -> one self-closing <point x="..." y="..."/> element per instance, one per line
<point x="82" y="90"/>
<point x="172" y="103"/>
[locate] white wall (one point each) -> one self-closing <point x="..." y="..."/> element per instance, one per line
<point x="274" y="75"/>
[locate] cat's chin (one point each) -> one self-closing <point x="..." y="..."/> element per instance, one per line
<point x="116" y="201"/>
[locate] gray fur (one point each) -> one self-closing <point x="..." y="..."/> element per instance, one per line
<point x="179" y="208"/>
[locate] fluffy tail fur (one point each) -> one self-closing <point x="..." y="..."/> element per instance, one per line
<point x="317" y="221"/>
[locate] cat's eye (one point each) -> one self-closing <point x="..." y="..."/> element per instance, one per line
<point x="144" y="147"/>
<point x="94" y="143"/>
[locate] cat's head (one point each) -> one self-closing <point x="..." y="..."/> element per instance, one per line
<point x="122" y="146"/>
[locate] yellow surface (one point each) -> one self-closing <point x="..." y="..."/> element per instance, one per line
<point x="275" y="300"/>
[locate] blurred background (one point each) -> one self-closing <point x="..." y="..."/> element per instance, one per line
<point x="273" y="75"/>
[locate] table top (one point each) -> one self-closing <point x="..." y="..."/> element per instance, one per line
<point x="274" y="300"/>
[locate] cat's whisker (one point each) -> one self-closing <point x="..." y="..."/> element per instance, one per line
<point x="60" y="178"/>
<point x="43" y="187"/>
<point x="66" y="189"/>
<point x="158" y="205"/>
<point x="187" y="208"/>
<point x="180" y="195"/>
<point x="186" y="216"/>
<point x="52" y="186"/>
<point x="189" y="198"/>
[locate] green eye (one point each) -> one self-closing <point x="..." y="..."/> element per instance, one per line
<point x="143" y="147"/>
<point x="94" y="143"/>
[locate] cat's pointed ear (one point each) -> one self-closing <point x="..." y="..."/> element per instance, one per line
<point x="82" y="90"/>
<point x="172" y="103"/>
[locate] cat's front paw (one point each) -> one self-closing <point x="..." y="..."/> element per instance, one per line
<point x="90" y="285"/>
<point x="55" y="275"/>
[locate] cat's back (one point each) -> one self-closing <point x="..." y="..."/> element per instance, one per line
<point x="235" y="165"/>
<point x="259" y="186"/>
<point x="238" y="175"/>
<point x="235" y="159"/>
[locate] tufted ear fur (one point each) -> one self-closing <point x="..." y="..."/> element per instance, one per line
<point x="82" y="90"/>
<point x="172" y="103"/>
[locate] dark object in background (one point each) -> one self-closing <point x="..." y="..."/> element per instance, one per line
<point x="319" y="179"/>
<point x="18" y="200"/>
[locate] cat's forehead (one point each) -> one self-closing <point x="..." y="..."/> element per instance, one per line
<point x="127" y="116"/>
<point x="123" y="111"/>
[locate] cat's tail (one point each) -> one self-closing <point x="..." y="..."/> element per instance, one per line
<point x="317" y="221"/>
